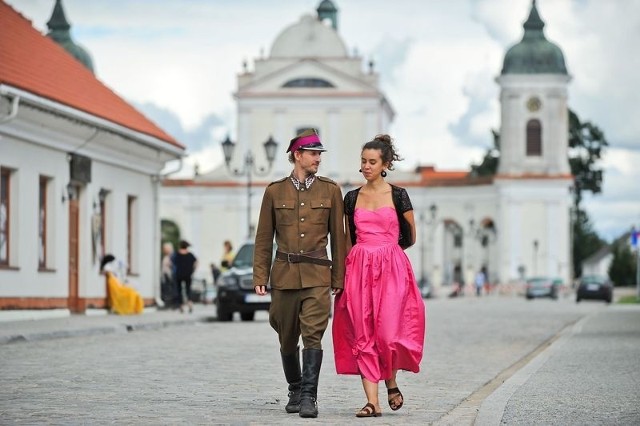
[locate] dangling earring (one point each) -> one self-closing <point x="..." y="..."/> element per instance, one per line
<point x="360" y="170"/>
<point x="384" y="174"/>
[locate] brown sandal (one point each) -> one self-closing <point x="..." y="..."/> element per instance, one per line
<point x="393" y="404"/>
<point x="368" y="411"/>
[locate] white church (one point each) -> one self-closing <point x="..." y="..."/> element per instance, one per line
<point x="513" y="225"/>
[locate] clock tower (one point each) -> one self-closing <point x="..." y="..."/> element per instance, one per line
<point x="534" y="176"/>
<point x="533" y="97"/>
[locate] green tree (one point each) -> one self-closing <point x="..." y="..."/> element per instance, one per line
<point x="586" y="146"/>
<point x="586" y="240"/>
<point x="622" y="270"/>
<point x="170" y="232"/>
<point x="491" y="159"/>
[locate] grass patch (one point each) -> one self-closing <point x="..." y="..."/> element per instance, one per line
<point x="629" y="299"/>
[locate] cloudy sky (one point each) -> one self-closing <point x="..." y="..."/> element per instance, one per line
<point x="177" y="61"/>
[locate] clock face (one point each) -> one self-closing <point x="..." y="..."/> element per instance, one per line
<point x="534" y="104"/>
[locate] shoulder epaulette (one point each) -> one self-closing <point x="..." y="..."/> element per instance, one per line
<point x="326" y="179"/>
<point x="278" y="181"/>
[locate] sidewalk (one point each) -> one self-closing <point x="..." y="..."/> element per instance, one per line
<point x="16" y="326"/>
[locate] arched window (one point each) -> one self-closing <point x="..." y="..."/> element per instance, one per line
<point x="308" y="82"/>
<point x="534" y="138"/>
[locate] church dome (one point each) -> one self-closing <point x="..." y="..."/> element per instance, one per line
<point x="308" y="38"/>
<point x="59" y="31"/>
<point x="534" y="54"/>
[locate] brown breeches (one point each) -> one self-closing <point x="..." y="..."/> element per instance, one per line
<point x="295" y="313"/>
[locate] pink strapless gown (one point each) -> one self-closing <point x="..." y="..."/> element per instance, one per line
<point x="379" y="318"/>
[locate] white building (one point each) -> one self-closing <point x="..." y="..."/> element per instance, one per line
<point x="514" y="225"/>
<point x="79" y="174"/>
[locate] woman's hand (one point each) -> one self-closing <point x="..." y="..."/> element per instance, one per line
<point x="261" y="290"/>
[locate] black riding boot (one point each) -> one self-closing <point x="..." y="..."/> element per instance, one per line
<point x="291" y="366"/>
<point x="311" y="362"/>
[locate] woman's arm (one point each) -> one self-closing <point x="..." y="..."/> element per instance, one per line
<point x="408" y="215"/>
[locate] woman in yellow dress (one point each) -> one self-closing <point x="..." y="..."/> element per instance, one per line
<point x="122" y="299"/>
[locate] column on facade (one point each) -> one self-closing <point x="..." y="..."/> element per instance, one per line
<point x="333" y="169"/>
<point x="281" y="165"/>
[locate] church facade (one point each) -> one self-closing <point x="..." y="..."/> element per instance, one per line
<point x="513" y="225"/>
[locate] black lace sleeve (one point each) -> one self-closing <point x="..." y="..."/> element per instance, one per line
<point x="405" y="201"/>
<point x="350" y="202"/>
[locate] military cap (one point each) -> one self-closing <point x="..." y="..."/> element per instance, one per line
<point x="308" y="140"/>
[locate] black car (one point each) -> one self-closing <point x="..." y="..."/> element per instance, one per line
<point x="235" y="289"/>
<point x="595" y="287"/>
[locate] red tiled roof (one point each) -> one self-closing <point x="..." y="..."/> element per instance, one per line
<point x="34" y="63"/>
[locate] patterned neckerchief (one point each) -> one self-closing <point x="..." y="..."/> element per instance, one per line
<point x="307" y="182"/>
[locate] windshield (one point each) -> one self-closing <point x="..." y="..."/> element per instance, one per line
<point x="593" y="280"/>
<point x="244" y="258"/>
<point x="538" y="282"/>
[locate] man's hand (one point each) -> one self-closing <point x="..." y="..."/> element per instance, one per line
<point x="336" y="291"/>
<point x="261" y="290"/>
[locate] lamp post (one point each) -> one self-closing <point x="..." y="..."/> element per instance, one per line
<point x="535" y="257"/>
<point x="249" y="168"/>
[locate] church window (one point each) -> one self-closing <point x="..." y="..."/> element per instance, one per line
<point x="534" y="138"/>
<point x="308" y="82"/>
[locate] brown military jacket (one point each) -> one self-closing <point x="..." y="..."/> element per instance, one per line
<point x="301" y="221"/>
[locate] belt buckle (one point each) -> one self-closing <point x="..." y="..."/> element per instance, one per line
<point x="293" y="258"/>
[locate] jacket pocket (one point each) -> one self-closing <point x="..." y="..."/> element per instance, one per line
<point x="320" y="210"/>
<point x="285" y="212"/>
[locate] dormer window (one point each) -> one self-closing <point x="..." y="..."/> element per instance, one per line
<point x="308" y="82"/>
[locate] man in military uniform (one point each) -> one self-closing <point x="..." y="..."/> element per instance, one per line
<point x="301" y="211"/>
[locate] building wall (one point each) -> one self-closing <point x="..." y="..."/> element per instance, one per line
<point x="38" y="144"/>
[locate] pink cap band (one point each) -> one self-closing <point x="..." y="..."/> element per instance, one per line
<point x="303" y="141"/>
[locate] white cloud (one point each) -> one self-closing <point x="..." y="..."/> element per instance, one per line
<point x="183" y="55"/>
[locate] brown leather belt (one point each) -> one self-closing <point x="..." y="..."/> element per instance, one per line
<point x="309" y="257"/>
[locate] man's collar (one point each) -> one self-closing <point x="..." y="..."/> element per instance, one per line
<point x="307" y="182"/>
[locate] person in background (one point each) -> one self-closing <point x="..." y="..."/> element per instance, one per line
<point x="379" y="318"/>
<point x="167" y="285"/>
<point x="227" y="257"/>
<point x="122" y="299"/>
<point x="480" y="281"/>
<point x="185" y="264"/>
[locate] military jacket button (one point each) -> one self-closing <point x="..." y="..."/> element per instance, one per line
<point x="302" y="235"/>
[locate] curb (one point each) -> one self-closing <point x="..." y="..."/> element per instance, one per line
<point x="100" y="330"/>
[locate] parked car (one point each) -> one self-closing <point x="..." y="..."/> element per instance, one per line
<point x="235" y="289"/>
<point x="595" y="287"/>
<point x="542" y="287"/>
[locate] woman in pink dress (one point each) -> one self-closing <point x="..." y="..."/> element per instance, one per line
<point x="379" y="318"/>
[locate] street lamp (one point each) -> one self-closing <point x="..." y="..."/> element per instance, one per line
<point x="249" y="168"/>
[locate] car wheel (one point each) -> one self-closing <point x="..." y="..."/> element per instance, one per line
<point x="223" y="314"/>
<point x="247" y="316"/>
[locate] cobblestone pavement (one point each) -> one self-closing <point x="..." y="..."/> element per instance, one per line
<point x="230" y="373"/>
